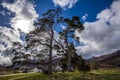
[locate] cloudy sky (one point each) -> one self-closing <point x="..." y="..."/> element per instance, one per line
<point x="101" y="19"/>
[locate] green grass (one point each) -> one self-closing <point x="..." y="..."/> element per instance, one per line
<point x="101" y="74"/>
<point x="15" y="76"/>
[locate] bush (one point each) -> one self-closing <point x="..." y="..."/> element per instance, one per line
<point x="45" y="72"/>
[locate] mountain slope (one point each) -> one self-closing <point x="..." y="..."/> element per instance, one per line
<point x="109" y="60"/>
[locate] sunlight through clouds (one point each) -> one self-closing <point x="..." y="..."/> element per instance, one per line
<point x="22" y="21"/>
<point x="25" y="14"/>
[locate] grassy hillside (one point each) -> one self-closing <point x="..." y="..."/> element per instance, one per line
<point x="111" y="74"/>
<point x="111" y="60"/>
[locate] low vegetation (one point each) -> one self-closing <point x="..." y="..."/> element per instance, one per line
<point x="17" y="76"/>
<point x="101" y="74"/>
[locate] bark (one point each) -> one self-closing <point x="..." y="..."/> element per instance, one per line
<point x="50" y="60"/>
<point x="50" y="53"/>
<point x="68" y="51"/>
<point x="69" y="62"/>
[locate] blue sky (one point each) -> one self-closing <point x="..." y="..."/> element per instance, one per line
<point x="100" y="17"/>
<point x="82" y="7"/>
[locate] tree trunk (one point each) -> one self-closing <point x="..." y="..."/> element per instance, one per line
<point x="50" y="53"/>
<point x="50" y="61"/>
<point x="69" y="62"/>
<point x="68" y="51"/>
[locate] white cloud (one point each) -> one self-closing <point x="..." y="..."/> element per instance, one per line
<point x="63" y="27"/>
<point x="5" y="61"/>
<point x="4" y="13"/>
<point x="103" y="34"/>
<point x="7" y="36"/>
<point x="25" y="14"/>
<point x="84" y="18"/>
<point x="65" y="3"/>
<point x="2" y="47"/>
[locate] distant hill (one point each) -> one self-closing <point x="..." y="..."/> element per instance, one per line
<point x="109" y="60"/>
